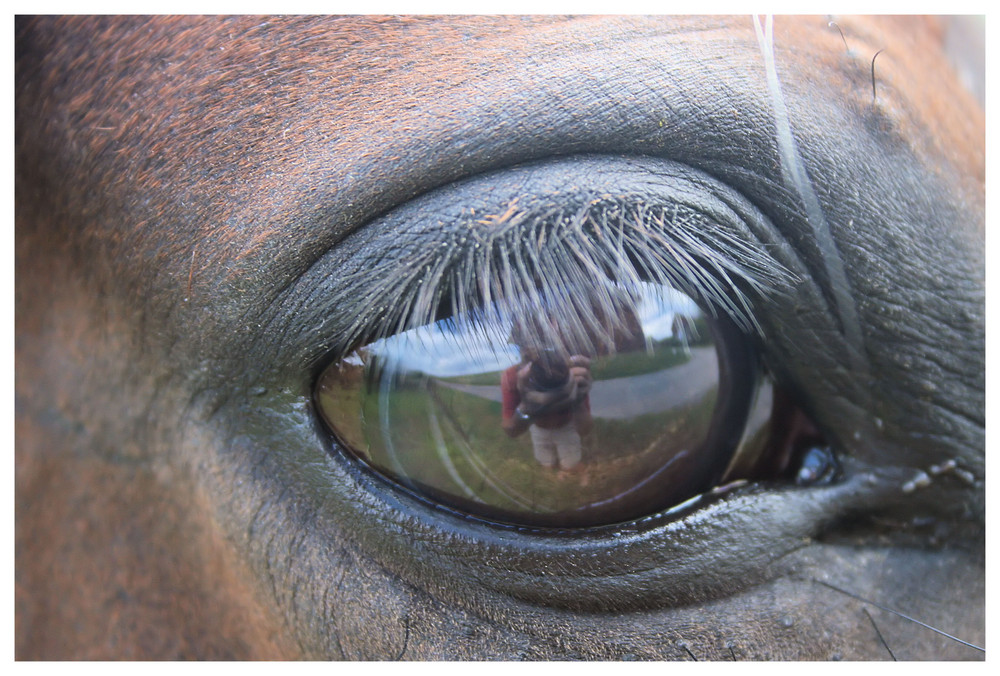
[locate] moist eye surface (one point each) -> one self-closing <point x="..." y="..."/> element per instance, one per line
<point x="558" y="344"/>
<point x="579" y="407"/>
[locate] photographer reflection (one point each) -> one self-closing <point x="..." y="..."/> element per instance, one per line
<point x="548" y="394"/>
<point x="548" y="391"/>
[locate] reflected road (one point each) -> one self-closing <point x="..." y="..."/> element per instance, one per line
<point x="620" y="398"/>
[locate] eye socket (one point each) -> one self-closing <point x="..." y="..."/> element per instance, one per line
<point x="578" y="407"/>
<point x="557" y="239"/>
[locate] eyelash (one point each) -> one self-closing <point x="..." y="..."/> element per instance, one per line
<point x="503" y="260"/>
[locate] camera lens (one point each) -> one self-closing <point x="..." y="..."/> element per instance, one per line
<point x="549" y="372"/>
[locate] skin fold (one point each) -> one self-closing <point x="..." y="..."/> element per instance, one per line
<point x="206" y="208"/>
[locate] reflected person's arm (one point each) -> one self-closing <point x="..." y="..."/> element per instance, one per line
<point x="514" y="421"/>
<point x="581" y="379"/>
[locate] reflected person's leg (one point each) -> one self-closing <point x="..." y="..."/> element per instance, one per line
<point x="567" y="440"/>
<point x="545" y="446"/>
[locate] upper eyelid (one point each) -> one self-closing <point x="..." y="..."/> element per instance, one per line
<point x="444" y="247"/>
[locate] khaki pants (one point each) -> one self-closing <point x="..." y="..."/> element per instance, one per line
<point x="561" y="445"/>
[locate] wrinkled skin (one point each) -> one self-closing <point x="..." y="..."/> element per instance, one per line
<point x="185" y="194"/>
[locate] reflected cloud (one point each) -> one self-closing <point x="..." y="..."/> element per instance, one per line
<point x="448" y="349"/>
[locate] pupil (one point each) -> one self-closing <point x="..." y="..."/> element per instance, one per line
<point x="576" y="409"/>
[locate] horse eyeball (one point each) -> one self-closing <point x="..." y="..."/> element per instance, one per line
<point x="577" y="409"/>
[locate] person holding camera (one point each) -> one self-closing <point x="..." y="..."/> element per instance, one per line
<point x="549" y="394"/>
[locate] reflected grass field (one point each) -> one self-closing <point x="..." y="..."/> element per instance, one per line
<point x="423" y="408"/>
<point x="342" y="392"/>
<point x="453" y="442"/>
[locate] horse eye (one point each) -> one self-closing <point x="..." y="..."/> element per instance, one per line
<point x="575" y="408"/>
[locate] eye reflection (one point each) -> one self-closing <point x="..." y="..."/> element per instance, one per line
<point x="576" y="408"/>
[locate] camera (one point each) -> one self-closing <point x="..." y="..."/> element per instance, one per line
<point x="549" y="371"/>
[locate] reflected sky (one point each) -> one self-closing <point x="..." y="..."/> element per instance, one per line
<point x="464" y="346"/>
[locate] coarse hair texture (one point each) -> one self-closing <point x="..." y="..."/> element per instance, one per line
<point x="579" y="266"/>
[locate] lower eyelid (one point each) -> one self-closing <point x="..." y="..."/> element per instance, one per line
<point x="720" y="544"/>
<point x="712" y="547"/>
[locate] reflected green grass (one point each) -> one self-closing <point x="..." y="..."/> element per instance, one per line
<point x="479" y="462"/>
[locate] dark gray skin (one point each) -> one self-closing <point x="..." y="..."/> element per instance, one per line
<point x="189" y="193"/>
